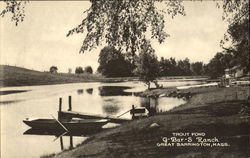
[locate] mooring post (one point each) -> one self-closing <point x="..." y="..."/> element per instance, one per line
<point x="133" y="112"/>
<point x="60" y="109"/>
<point x="71" y="142"/>
<point x="61" y="143"/>
<point x="70" y="105"/>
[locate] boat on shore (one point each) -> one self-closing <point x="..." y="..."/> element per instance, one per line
<point x="72" y="125"/>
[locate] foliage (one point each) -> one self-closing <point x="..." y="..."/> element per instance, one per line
<point x="171" y="67"/>
<point x="235" y="11"/>
<point x="184" y="67"/>
<point x="79" y="70"/>
<point x="113" y="63"/>
<point x="147" y="66"/>
<point x="239" y="34"/>
<point x="237" y="14"/>
<point x="88" y="69"/>
<point x="53" y="69"/>
<point x="197" y="68"/>
<point x="69" y="70"/>
<point x="217" y="65"/>
<point x="16" y="8"/>
<point x="124" y="23"/>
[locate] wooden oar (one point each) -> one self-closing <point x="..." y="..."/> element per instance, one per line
<point x="60" y="124"/>
<point x="60" y="136"/>
<point x="124" y="113"/>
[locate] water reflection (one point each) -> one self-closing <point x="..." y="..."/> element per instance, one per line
<point x="41" y="101"/>
<point x="111" y="109"/>
<point x="113" y="91"/>
<point x="12" y="91"/>
<point x="57" y="133"/>
<point x="151" y="104"/>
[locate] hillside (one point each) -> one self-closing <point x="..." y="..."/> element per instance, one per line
<point x="16" y="76"/>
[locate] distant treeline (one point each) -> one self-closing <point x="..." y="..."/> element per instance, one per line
<point x="113" y="63"/>
<point x="173" y="67"/>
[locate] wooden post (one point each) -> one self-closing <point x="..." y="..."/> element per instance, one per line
<point x="133" y="112"/>
<point x="61" y="143"/>
<point x="70" y="105"/>
<point x="60" y="109"/>
<point x="71" y="142"/>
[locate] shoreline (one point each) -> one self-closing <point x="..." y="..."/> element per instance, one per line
<point x="213" y="111"/>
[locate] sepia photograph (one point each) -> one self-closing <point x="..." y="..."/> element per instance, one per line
<point x="124" y="78"/>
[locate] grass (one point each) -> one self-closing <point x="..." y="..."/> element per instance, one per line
<point x="214" y="111"/>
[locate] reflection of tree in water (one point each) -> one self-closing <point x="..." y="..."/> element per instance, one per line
<point x="113" y="91"/>
<point x="80" y="91"/>
<point x="89" y="90"/>
<point x="151" y="104"/>
<point x="111" y="109"/>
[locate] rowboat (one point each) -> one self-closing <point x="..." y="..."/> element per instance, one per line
<point x="71" y="125"/>
<point x="139" y="112"/>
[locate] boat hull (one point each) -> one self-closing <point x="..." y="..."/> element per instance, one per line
<point x="50" y="124"/>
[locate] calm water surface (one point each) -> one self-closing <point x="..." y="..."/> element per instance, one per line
<point x="42" y="101"/>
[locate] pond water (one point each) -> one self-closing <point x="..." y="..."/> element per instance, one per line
<point x="110" y="99"/>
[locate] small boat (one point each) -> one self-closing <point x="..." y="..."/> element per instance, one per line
<point x="72" y="125"/>
<point x="139" y="112"/>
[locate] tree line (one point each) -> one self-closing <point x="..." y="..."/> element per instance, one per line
<point x="78" y="70"/>
<point x="113" y="63"/>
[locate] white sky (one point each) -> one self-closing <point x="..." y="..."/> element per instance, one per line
<point x="40" y="41"/>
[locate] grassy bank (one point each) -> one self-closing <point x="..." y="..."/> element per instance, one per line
<point x="16" y="76"/>
<point x="213" y="111"/>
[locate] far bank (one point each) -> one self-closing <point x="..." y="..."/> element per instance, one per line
<point x="16" y="76"/>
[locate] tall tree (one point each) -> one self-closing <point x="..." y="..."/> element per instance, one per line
<point x="113" y="63"/>
<point x="148" y="67"/>
<point x="16" y="8"/>
<point x="79" y="70"/>
<point x="197" y="68"/>
<point x="124" y="23"/>
<point x="237" y="14"/>
<point x="88" y="69"/>
<point x="184" y="67"/>
<point x="217" y="65"/>
<point x="53" y="69"/>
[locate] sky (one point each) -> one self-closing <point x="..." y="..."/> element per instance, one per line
<point x="40" y="40"/>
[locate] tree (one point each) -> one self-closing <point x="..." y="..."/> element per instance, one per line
<point x="69" y="70"/>
<point x="79" y="70"/>
<point x="113" y="63"/>
<point x="88" y="69"/>
<point x="148" y="67"/>
<point x="184" y="67"/>
<point x="124" y="23"/>
<point x="197" y="68"/>
<point x="221" y="61"/>
<point x="168" y="67"/>
<point x="53" y="69"/>
<point x="16" y="8"/>
<point x="237" y="14"/>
